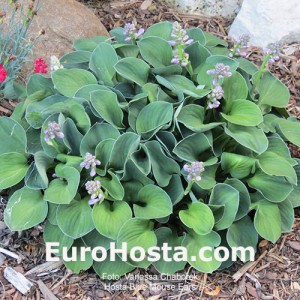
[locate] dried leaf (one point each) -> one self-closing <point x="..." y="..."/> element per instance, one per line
<point x="145" y="5"/>
<point x="295" y="245"/>
<point x="214" y="292"/>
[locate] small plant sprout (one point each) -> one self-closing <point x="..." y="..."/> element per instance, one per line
<point x="93" y="188"/>
<point x="194" y="172"/>
<point x="90" y="162"/>
<point x="131" y="32"/>
<point x="240" y="46"/>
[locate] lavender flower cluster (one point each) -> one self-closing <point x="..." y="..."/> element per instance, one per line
<point x="194" y="170"/>
<point x="90" y="162"/>
<point x="217" y="93"/>
<point x="179" y="41"/>
<point x="272" y="52"/>
<point x="131" y="32"/>
<point x="241" y="43"/>
<point x="94" y="189"/>
<point x="53" y="131"/>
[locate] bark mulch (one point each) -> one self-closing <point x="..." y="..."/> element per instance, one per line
<point x="274" y="275"/>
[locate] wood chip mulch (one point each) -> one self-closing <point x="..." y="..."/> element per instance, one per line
<point x="274" y="275"/>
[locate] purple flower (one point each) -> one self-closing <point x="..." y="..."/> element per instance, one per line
<point x="194" y="170"/>
<point x="94" y="189"/>
<point x="219" y="72"/>
<point x="90" y="162"/>
<point x="131" y="32"/>
<point x="53" y="131"/>
<point x="272" y="52"/>
<point x="215" y="95"/>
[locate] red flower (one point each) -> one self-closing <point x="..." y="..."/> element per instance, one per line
<point x="3" y="74"/>
<point x="40" y="66"/>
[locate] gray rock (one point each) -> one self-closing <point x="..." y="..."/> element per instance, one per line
<point x="224" y="8"/>
<point x="268" y="21"/>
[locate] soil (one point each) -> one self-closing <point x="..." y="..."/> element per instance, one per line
<point x="274" y="275"/>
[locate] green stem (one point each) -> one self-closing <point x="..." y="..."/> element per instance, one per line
<point x="189" y="187"/>
<point x="259" y="75"/>
<point x="190" y="69"/>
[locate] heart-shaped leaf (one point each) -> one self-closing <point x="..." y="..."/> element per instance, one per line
<point x="109" y="217"/>
<point x="25" y="208"/>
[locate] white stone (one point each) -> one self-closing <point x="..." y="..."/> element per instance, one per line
<point x="268" y="21"/>
<point x="224" y="8"/>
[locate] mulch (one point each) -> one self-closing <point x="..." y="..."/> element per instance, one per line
<point x="274" y="275"/>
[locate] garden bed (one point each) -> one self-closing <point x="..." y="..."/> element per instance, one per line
<point x="275" y="273"/>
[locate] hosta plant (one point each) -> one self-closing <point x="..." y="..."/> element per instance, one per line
<point x="152" y="137"/>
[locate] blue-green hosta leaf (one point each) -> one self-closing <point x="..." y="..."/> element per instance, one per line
<point x="103" y="151"/>
<point x="242" y="233"/>
<point x="38" y="82"/>
<point x="75" y="219"/>
<point x="162" y="30"/>
<point x="14" y="136"/>
<point x="244" y="204"/>
<point x="113" y="185"/>
<point x="197" y="35"/>
<point x="52" y="234"/>
<point x="133" y="69"/>
<point x="127" y="50"/>
<point x="199" y="217"/>
<point x="102" y="63"/>
<point x="294" y="196"/>
<point x="113" y="268"/>
<point x="181" y="84"/>
<point x="247" y="66"/>
<point x="175" y="189"/>
<point x="193" y="242"/>
<point x="63" y="189"/>
<point x="235" y="87"/>
<point x="274" y="188"/>
<point x="137" y="232"/>
<point x="152" y="203"/>
<point x="69" y="81"/>
<point x="212" y="40"/>
<point x="51" y="217"/>
<point x="97" y="133"/>
<point x="89" y="44"/>
<point x="78" y="264"/>
<point x="142" y="159"/>
<point x="163" y="167"/>
<point x="124" y="146"/>
<point x="154" y="116"/>
<point x="191" y="116"/>
<point x="274" y="164"/>
<point x="74" y="58"/>
<point x="197" y="54"/>
<point x="72" y="136"/>
<point x="243" y="112"/>
<point x="272" y="91"/>
<point x="107" y="107"/>
<point x="290" y="130"/>
<point x="94" y="239"/>
<point x="156" y="51"/>
<point x="250" y="137"/>
<point x="286" y="215"/>
<point x="208" y="180"/>
<point x="192" y="148"/>
<point x="267" y="220"/>
<point x="36" y="177"/>
<point x="227" y="196"/>
<point x="238" y="166"/>
<point x="109" y="217"/>
<point x="167" y="236"/>
<point x="25" y="209"/>
<point x="13" y="169"/>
